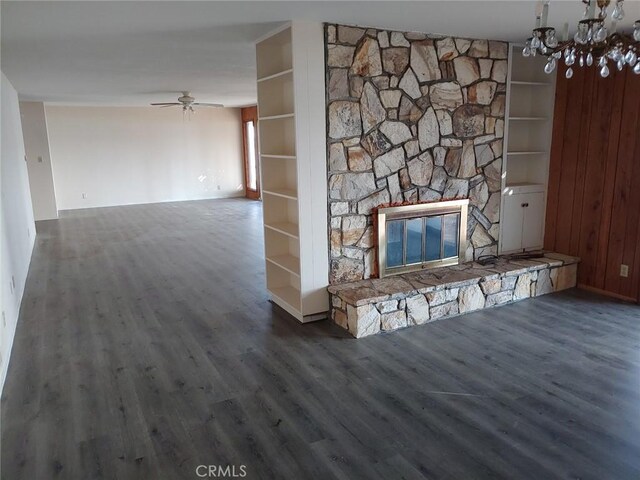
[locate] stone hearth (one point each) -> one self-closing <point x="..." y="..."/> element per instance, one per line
<point x="371" y="306"/>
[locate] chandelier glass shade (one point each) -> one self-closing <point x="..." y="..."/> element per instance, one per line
<point x="595" y="41"/>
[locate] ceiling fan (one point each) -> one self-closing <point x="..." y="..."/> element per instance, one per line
<point x="187" y="102"/>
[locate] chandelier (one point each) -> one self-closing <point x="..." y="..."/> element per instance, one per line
<point x="593" y="42"/>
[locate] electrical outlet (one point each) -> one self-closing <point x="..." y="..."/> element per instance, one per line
<point x="218" y="187"/>
<point x="39" y="159"/>
<point x="84" y="196"/>
<point x="624" y="271"/>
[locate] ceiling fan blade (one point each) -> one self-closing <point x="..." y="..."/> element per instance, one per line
<point x="218" y="105"/>
<point x="165" y="104"/>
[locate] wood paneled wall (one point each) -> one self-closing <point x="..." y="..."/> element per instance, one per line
<point x="593" y="206"/>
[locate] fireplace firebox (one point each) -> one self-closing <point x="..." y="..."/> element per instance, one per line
<point x="415" y="237"/>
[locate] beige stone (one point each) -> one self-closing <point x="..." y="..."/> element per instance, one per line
<point x="444" y="310"/>
<point x="480" y="237"/>
<point x="366" y="62"/>
<point x="339" y="55"/>
<point x="353" y="227"/>
<point x="412" y="148"/>
<point x="522" y="288"/>
<point x="468" y="121"/>
<point x="359" y="160"/>
<point x="491" y="286"/>
<point x="351" y="186"/>
<point x="479" y="195"/>
<point x="467" y="70"/>
<point x="417" y="310"/>
<point x="444" y="120"/>
<point x="363" y="320"/>
<point x="344" y="270"/>
<point x="462" y="44"/>
<point x="398" y="40"/>
<point x="471" y="298"/>
<point x="371" y="110"/>
<point x="337" y="159"/>
<point x="455" y="188"/>
<point x="388" y="163"/>
<point x="396" y="132"/>
<point x="390" y="98"/>
<point x="374" y="200"/>
<point x="446" y="49"/>
<point x="424" y="61"/>
<point x="499" y="298"/>
<point x="428" y="130"/>
<point x="467" y="161"/>
<point x="349" y="34"/>
<point x="395" y="193"/>
<point x="393" y="320"/>
<point x="395" y="60"/>
<point x="409" y="83"/>
<point x="492" y="208"/>
<point x="338" y="83"/>
<point x="344" y="119"/>
<point x="547" y="280"/>
<point x="383" y="39"/>
<point x="485" y="67"/>
<point x="420" y="169"/>
<point x="479" y="48"/>
<point x="482" y="92"/>
<point x="567" y="277"/>
<point x="446" y="95"/>
<point x="484" y="155"/>
<point x="498" y="50"/>
<point x="499" y="71"/>
<point x="493" y="174"/>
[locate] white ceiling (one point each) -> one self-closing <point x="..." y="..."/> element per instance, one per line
<point x="134" y="53"/>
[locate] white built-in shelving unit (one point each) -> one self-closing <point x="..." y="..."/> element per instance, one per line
<point x="291" y="114"/>
<point x="527" y="145"/>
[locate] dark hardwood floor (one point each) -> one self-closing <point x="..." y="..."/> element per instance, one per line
<point x="147" y="346"/>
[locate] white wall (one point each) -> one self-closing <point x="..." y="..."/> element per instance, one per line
<point x="128" y="155"/>
<point x="36" y="145"/>
<point x="17" y="226"/>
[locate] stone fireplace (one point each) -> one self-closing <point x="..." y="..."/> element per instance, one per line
<point x="421" y="236"/>
<point x="416" y="121"/>
<point x="412" y="119"/>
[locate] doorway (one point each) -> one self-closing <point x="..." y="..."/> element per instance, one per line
<point x="251" y="155"/>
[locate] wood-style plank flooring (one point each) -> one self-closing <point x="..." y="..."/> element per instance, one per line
<point x="146" y="346"/>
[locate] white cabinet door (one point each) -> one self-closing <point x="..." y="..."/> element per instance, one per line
<point x="533" y="221"/>
<point x="512" y="217"/>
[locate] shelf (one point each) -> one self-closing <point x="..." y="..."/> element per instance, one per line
<point x="282" y="192"/>
<point x="288" y="295"/>
<point x="287" y="262"/>
<point x="523" y="187"/>
<point x="531" y="84"/>
<point x="527" y="153"/>
<point x="529" y="118"/>
<point x="276" y="117"/>
<point x="285" y="157"/>
<point x="288" y="229"/>
<point x="275" y="75"/>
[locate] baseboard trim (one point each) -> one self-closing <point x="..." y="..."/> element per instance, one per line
<point x="606" y="293"/>
<point x="239" y="194"/>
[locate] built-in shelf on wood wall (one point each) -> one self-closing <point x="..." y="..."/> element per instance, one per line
<point x="294" y="168"/>
<point x="527" y="142"/>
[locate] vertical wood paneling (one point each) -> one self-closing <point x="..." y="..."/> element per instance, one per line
<point x="609" y="175"/>
<point x="593" y="208"/>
